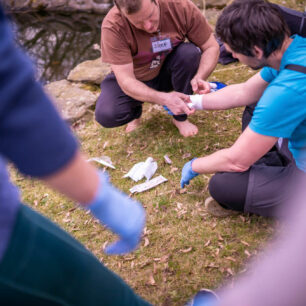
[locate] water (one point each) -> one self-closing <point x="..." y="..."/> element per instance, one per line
<point x="57" y="42"/>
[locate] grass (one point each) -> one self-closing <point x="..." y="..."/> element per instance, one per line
<point x="184" y="248"/>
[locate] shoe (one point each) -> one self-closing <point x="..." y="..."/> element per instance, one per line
<point x="215" y="209"/>
<point x="204" y="297"/>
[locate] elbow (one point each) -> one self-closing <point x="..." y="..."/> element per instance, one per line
<point x="236" y="164"/>
<point x="238" y="167"/>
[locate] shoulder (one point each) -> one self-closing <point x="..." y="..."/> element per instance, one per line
<point x="114" y="19"/>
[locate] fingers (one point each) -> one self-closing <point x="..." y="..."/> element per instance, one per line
<point x="121" y="247"/>
<point x="204" y="91"/>
<point x="194" y="86"/>
<point x="202" y="87"/>
<point x="184" y="183"/>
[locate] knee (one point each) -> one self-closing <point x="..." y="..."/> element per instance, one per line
<point x="229" y="189"/>
<point x="104" y="115"/>
<point x="216" y="187"/>
<point x="189" y="56"/>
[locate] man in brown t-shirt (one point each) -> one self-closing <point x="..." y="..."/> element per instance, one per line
<point x="144" y="41"/>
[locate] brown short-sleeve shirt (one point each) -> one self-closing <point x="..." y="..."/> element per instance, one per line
<point x="122" y="43"/>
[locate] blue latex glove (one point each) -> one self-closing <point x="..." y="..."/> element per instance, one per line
<point x="122" y="215"/>
<point x="187" y="173"/>
<point x="219" y="86"/>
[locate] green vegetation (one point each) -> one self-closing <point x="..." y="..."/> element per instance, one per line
<point x="183" y="248"/>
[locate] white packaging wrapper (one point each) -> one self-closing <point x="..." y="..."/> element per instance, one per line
<point x="104" y="160"/>
<point x="213" y="86"/>
<point x="143" y="169"/>
<point x="149" y="184"/>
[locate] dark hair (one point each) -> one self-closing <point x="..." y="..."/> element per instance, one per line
<point x="248" y="23"/>
<point x="130" y="6"/>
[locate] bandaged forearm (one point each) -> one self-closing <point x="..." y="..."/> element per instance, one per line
<point x="196" y="102"/>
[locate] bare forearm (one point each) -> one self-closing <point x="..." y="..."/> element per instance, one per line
<point x="140" y="91"/>
<point x="228" y="97"/>
<point x="236" y="95"/>
<point x="220" y="161"/>
<point x="208" y="62"/>
<point x="78" y="180"/>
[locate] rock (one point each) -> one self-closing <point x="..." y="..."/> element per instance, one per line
<point x="216" y="3"/>
<point x="90" y="71"/>
<point x="199" y="3"/>
<point x="72" y="101"/>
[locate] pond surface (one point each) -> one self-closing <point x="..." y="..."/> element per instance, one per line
<point x="58" y="42"/>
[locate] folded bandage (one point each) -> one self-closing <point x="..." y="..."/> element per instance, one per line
<point x="196" y="102"/>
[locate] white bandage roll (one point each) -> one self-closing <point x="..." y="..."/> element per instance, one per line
<point x="196" y="102"/>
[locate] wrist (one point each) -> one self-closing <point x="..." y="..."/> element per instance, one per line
<point x="161" y="98"/>
<point x="101" y="193"/>
<point x="192" y="167"/>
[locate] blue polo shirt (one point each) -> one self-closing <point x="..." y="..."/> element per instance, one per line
<point x="32" y="134"/>
<point x="281" y="111"/>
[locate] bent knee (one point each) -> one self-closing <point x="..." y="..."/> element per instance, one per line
<point x="105" y="118"/>
<point x="189" y="51"/>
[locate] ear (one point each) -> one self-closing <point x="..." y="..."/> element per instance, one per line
<point x="258" y="53"/>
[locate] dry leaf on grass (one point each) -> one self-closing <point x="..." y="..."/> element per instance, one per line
<point x="244" y="242"/>
<point x="167" y="160"/>
<point x="185" y="250"/>
<point x="220" y="238"/>
<point x="229" y="271"/>
<point x="207" y="243"/>
<point x="151" y="280"/>
<point x="186" y="155"/>
<point x="146" y="242"/>
<point x="231" y="259"/>
<point x="173" y="169"/>
<point x="129" y="258"/>
<point x="105" y="145"/>
<point x="104" y="245"/>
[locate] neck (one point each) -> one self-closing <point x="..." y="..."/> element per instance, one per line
<point x="275" y="58"/>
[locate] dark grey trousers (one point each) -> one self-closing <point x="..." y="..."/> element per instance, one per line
<point x="265" y="187"/>
<point x="114" y="108"/>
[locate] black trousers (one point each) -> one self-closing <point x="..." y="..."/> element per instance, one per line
<point x="115" y="108"/>
<point x="264" y="187"/>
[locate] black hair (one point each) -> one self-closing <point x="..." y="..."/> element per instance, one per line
<point x="248" y="23"/>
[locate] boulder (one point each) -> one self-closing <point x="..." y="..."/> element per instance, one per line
<point x="71" y="99"/>
<point x="216" y="3"/>
<point x="90" y="71"/>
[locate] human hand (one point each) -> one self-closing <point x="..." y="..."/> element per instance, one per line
<point x="121" y="214"/>
<point x="199" y="86"/>
<point x="176" y="102"/>
<point x="187" y="173"/>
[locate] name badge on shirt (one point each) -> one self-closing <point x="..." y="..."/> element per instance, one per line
<point x="161" y="44"/>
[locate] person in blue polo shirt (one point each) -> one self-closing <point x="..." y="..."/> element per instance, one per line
<point x="257" y="173"/>
<point x="40" y="264"/>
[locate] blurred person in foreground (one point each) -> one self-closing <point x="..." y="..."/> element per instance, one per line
<point x="256" y="174"/>
<point x="40" y="264"/>
<point x="277" y="276"/>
